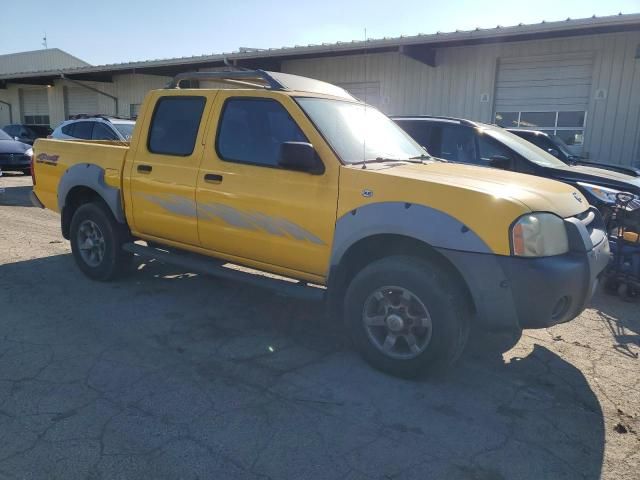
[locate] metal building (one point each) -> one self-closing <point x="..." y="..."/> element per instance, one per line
<point x="577" y="78"/>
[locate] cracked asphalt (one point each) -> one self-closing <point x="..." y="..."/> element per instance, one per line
<point x="172" y="375"/>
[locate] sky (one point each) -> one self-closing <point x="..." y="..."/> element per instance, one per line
<point x="116" y="31"/>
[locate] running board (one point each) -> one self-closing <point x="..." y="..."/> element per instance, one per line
<point x="209" y="266"/>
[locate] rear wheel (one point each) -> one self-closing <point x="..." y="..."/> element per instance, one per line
<point x="96" y="242"/>
<point x="407" y="316"/>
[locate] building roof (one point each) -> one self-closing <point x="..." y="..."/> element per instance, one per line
<point x="38" y="60"/>
<point x="417" y="46"/>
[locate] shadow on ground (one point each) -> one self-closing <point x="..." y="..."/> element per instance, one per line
<point x="168" y="374"/>
<point x="625" y="329"/>
<point x="16" y="196"/>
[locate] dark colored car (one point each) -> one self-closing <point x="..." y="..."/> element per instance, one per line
<point x="464" y="141"/>
<point x="558" y="148"/>
<point x="14" y="155"/>
<point x="27" y="133"/>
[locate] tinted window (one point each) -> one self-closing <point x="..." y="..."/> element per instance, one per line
<point x="253" y="130"/>
<point x="488" y="147"/>
<point x="458" y="144"/>
<point x="102" y="132"/>
<point x="175" y="124"/>
<point x="83" y="130"/>
<point x="11" y="130"/>
<point x="68" y="129"/>
<point x="420" y="130"/>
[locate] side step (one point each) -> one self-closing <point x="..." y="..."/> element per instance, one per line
<point x="209" y="266"/>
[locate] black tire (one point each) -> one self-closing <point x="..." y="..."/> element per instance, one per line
<point x="26" y="171"/>
<point x="114" y="261"/>
<point x="429" y="285"/>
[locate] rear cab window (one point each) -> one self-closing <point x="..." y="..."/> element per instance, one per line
<point x="175" y="124"/>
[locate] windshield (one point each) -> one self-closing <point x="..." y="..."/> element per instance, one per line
<point x="562" y="146"/>
<point x="4" y="136"/>
<point x="125" y="129"/>
<point x="358" y="132"/>
<point x="522" y="147"/>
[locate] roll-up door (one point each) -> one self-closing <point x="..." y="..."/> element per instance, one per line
<point x="35" y="106"/>
<point x="80" y="100"/>
<point x="546" y="92"/>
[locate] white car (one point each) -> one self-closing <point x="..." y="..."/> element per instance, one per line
<point x="94" y="128"/>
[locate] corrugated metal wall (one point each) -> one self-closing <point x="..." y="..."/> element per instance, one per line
<point x="463" y="84"/>
<point x="38" y="60"/>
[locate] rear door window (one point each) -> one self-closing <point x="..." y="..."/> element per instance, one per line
<point x="83" y="130"/>
<point x="174" y="126"/>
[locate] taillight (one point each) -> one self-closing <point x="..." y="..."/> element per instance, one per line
<point x="33" y="171"/>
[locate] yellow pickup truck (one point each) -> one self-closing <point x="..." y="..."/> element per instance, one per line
<point x="295" y="177"/>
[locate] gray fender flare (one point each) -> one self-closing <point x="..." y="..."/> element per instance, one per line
<point x="90" y="176"/>
<point x="433" y="227"/>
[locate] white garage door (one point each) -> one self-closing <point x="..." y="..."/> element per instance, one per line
<point x="80" y="100"/>
<point x="546" y="92"/>
<point x="35" y="106"/>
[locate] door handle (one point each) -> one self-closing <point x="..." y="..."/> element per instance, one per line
<point x="212" y="178"/>
<point x="144" y="168"/>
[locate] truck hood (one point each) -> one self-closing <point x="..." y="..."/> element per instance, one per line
<point x="537" y="194"/>
<point x="597" y="176"/>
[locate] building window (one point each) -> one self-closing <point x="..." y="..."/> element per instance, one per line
<point x="567" y="125"/>
<point x="36" y="120"/>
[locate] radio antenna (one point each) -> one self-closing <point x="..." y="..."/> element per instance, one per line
<point x="364" y="133"/>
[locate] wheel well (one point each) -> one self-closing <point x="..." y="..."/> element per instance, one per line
<point x="373" y="248"/>
<point x="76" y="197"/>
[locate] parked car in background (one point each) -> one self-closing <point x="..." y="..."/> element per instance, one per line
<point x="465" y="141"/>
<point x="27" y="133"/>
<point x="97" y="127"/>
<point x="557" y="147"/>
<point x="14" y="155"/>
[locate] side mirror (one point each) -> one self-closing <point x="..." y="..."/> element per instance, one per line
<point x="553" y="152"/>
<point x="500" y="161"/>
<point x="300" y="156"/>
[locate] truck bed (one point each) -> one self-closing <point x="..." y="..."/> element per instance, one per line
<point x="52" y="158"/>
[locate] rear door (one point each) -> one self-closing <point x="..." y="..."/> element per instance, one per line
<point x="164" y="169"/>
<point x="252" y="209"/>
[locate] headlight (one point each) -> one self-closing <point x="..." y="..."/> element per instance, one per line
<point x="604" y="194"/>
<point x="29" y="152"/>
<point x="539" y="235"/>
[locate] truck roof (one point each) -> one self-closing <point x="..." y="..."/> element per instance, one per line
<point x="265" y="80"/>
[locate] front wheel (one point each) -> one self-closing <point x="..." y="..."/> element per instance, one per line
<point x="96" y="242"/>
<point x="407" y="316"/>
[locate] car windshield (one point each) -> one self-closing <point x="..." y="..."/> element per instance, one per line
<point x="359" y="132"/>
<point x="561" y="145"/>
<point x="522" y="147"/>
<point x="125" y="129"/>
<point x="4" y="136"/>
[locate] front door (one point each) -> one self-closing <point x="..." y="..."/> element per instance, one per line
<point x="248" y="206"/>
<point x="165" y="168"/>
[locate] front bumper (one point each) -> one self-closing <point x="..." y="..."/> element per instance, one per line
<point x="516" y="292"/>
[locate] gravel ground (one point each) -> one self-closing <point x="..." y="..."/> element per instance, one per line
<point x="172" y="375"/>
